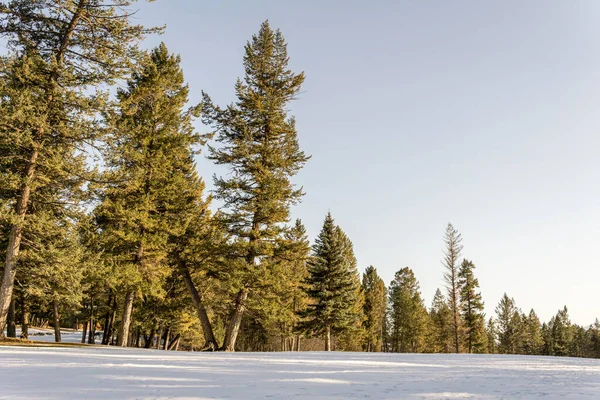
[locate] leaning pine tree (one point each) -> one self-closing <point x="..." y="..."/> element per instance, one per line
<point x="331" y="285"/>
<point x="149" y="165"/>
<point x="68" y="48"/>
<point x="260" y="146"/>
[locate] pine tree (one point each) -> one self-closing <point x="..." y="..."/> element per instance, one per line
<point x="471" y="307"/>
<point x="441" y="324"/>
<point x="374" y="308"/>
<point x="288" y="298"/>
<point x="492" y="337"/>
<point x="148" y="165"/>
<point x="260" y="145"/>
<point x="507" y="331"/>
<point x="453" y="240"/>
<point x="533" y="340"/>
<point x="64" y="52"/>
<point x="331" y="285"/>
<point x="408" y="314"/>
<point x="561" y="332"/>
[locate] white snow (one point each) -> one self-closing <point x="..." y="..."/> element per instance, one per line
<point x="103" y="373"/>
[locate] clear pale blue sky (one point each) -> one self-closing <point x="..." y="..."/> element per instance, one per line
<point x="417" y="113"/>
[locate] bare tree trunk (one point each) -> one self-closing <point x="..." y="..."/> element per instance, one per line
<point x="105" y="330"/>
<point x="297" y="342"/>
<point x="84" y="331"/>
<point x="174" y="342"/>
<point x="24" y="318"/>
<point x="138" y="334"/>
<point x="159" y="337"/>
<point x="14" y="242"/>
<point x="92" y="334"/>
<point x="150" y="339"/>
<point x="11" y="326"/>
<point x="327" y="338"/>
<point x="167" y="338"/>
<point x="209" y="336"/>
<point x="235" y="321"/>
<point x="126" y="322"/>
<point x="57" y="337"/>
<point x="111" y="322"/>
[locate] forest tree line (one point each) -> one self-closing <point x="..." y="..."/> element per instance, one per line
<point x="106" y="227"/>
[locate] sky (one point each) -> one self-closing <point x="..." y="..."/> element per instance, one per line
<point x="420" y="113"/>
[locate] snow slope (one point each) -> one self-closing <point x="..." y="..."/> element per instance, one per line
<point x="103" y="373"/>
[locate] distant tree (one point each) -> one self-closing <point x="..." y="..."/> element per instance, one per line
<point x="471" y="307"/>
<point x="492" y="337"/>
<point x="407" y="313"/>
<point x="532" y="336"/>
<point x="441" y="332"/>
<point x="331" y="285"/>
<point x="374" y="308"/>
<point x="260" y="146"/>
<point x="452" y="240"/>
<point x="506" y="325"/>
<point x="561" y="332"/>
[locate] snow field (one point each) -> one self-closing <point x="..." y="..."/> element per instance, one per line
<point x="103" y="373"/>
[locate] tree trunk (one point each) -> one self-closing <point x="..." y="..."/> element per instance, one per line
<point x="159" y="337"/>
<point x="174" y="342"/>
<point x="126" y="322"/>
<point x="167" y="338"/>
<point x="150" y="339"/>
<point x="14" y="242"/>
<point x="233" y="328"/>
<point x="92" y="334"/>
<point x="57" y="338"/>
<point x="210" y="343"/>
<point x="11" y="326"/>
<point x="111" y="322"/>
<point x="297" y="342"/>
<point x="327" y="338"/>
<point x="84" y="331"/>
<point x="107" y="322"/>
<point x="24" y="318"/>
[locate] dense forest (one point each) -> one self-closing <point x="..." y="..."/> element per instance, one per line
<point x="106" y="226"/>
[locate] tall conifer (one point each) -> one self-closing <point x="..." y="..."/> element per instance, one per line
<point x="452" y="252"/>
<point x="149" y="163"/>
<point x="331" y="285"/>
<point x="471" y="307"/>
<point x="258" y="142"/>
<point x="68" y="50"/>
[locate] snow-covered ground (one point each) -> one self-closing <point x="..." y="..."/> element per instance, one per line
<point x="47" y="335"/>
<point x="102" y="373"/>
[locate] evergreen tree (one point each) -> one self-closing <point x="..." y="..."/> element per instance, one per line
<point x="492" y="337"/>
<point x="408" y="314"/>
<point x="561" y="332"/>
<point x="260" y="145"/>
<point x="441" y="324"/>
<point x="148" y="165"/>
<point x="533" y="340"/>
<point x="65" y="51"/>
<point x="507" y="331"/>
<point x="453" y="240"/>
<point x="374" y="308"/>
<point x="331" y="284"/>
<point x="471" y="307"/>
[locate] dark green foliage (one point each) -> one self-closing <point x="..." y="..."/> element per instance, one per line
<point x="375" y="307"/>
<point x="258" y="142"/>
<point x="508" y="325"/>
<point x="408" y="315"/>
<point x="331" y="285"/>
<point x="471" y="307"/>
<point x="440" y="333"/>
